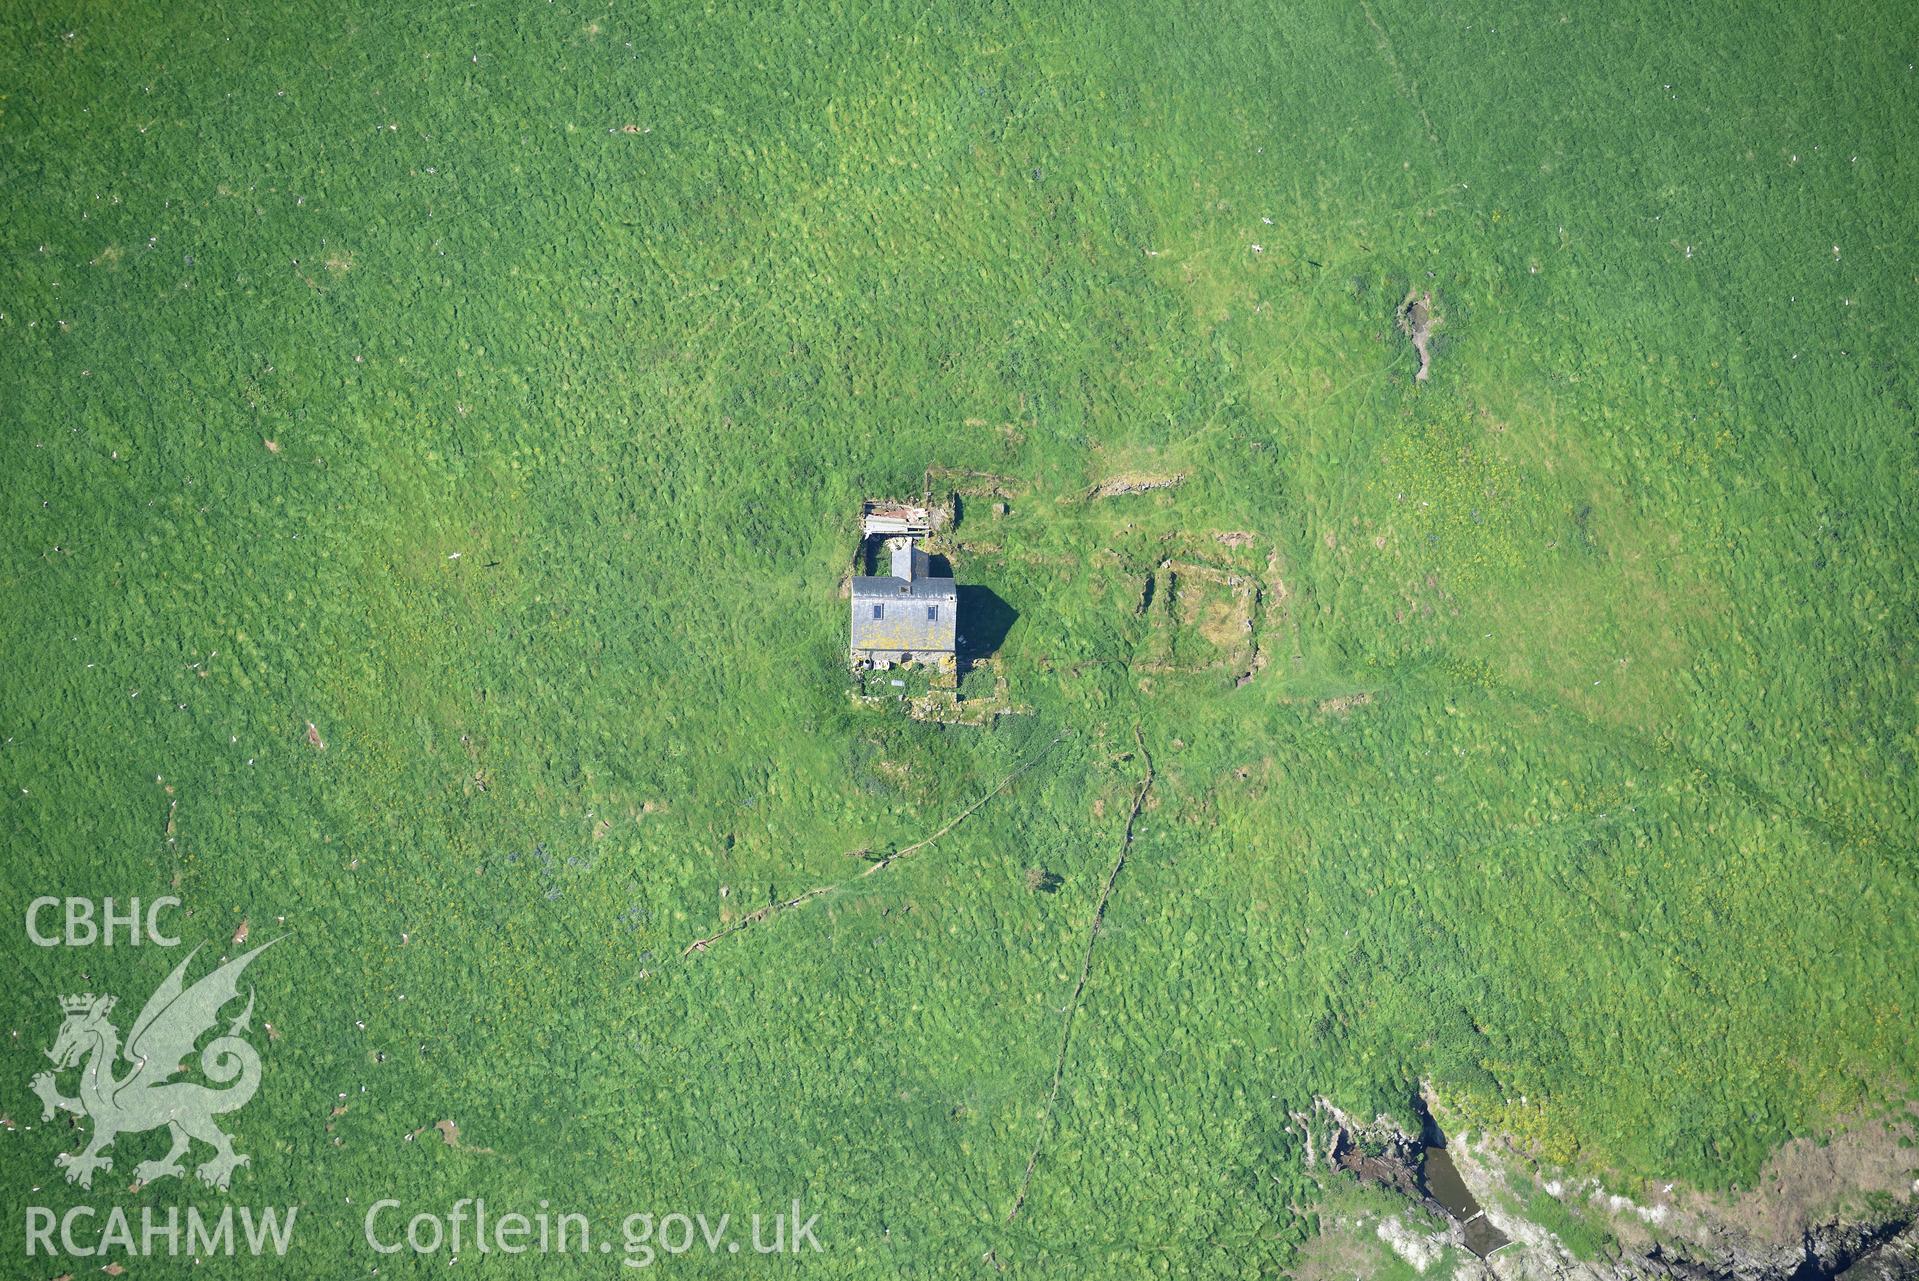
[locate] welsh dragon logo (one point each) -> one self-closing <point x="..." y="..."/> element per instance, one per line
<point x="146" y="1095"/>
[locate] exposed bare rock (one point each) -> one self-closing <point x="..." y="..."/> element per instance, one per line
<point x="1845" y="1207"/>
<point x="1896" y="1259"/>
<point x="1793" y="1227"/>
<point x="1417" y="322"/>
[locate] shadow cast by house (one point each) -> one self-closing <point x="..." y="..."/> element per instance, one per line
<point x="985" y="620"/>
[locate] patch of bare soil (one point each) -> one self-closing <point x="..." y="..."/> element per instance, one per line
<point x="1417" y="322"/>
<point x="1344" y="705"/>
<point x="1339" y="1253"/>
<point x="1805" y="1183"/>
<point x="449" y="1134"/>
<point x="1134" y="483"/>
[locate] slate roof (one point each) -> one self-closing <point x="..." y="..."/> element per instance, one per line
<point x="886" y="587"/>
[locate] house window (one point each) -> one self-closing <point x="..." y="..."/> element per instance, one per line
<point x="932" y="613"/>
<point x="879" y="611"/>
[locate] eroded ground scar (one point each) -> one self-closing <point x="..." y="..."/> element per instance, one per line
<point x="1406" y="89"/>
<point x="1085" y="968"/>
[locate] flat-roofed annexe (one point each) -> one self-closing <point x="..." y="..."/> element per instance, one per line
<point x="879" y="518"/>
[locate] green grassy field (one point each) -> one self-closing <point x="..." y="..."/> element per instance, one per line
<point x="493" y="387"/>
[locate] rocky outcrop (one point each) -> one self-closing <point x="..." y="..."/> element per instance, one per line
<point x="1894" y="1259"/>
<point x="1878" y="1250"/>
<point x="1846" y="1208"/>
<point x="1692" y="1238"/>
<point x="1843" y="1252"/>
<point x="1417" y="322"/>
<point x="1377" y="1152"/>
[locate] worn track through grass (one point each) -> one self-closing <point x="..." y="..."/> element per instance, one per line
<point x="1085" y="969"/>
<point x="879" y="865"/>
